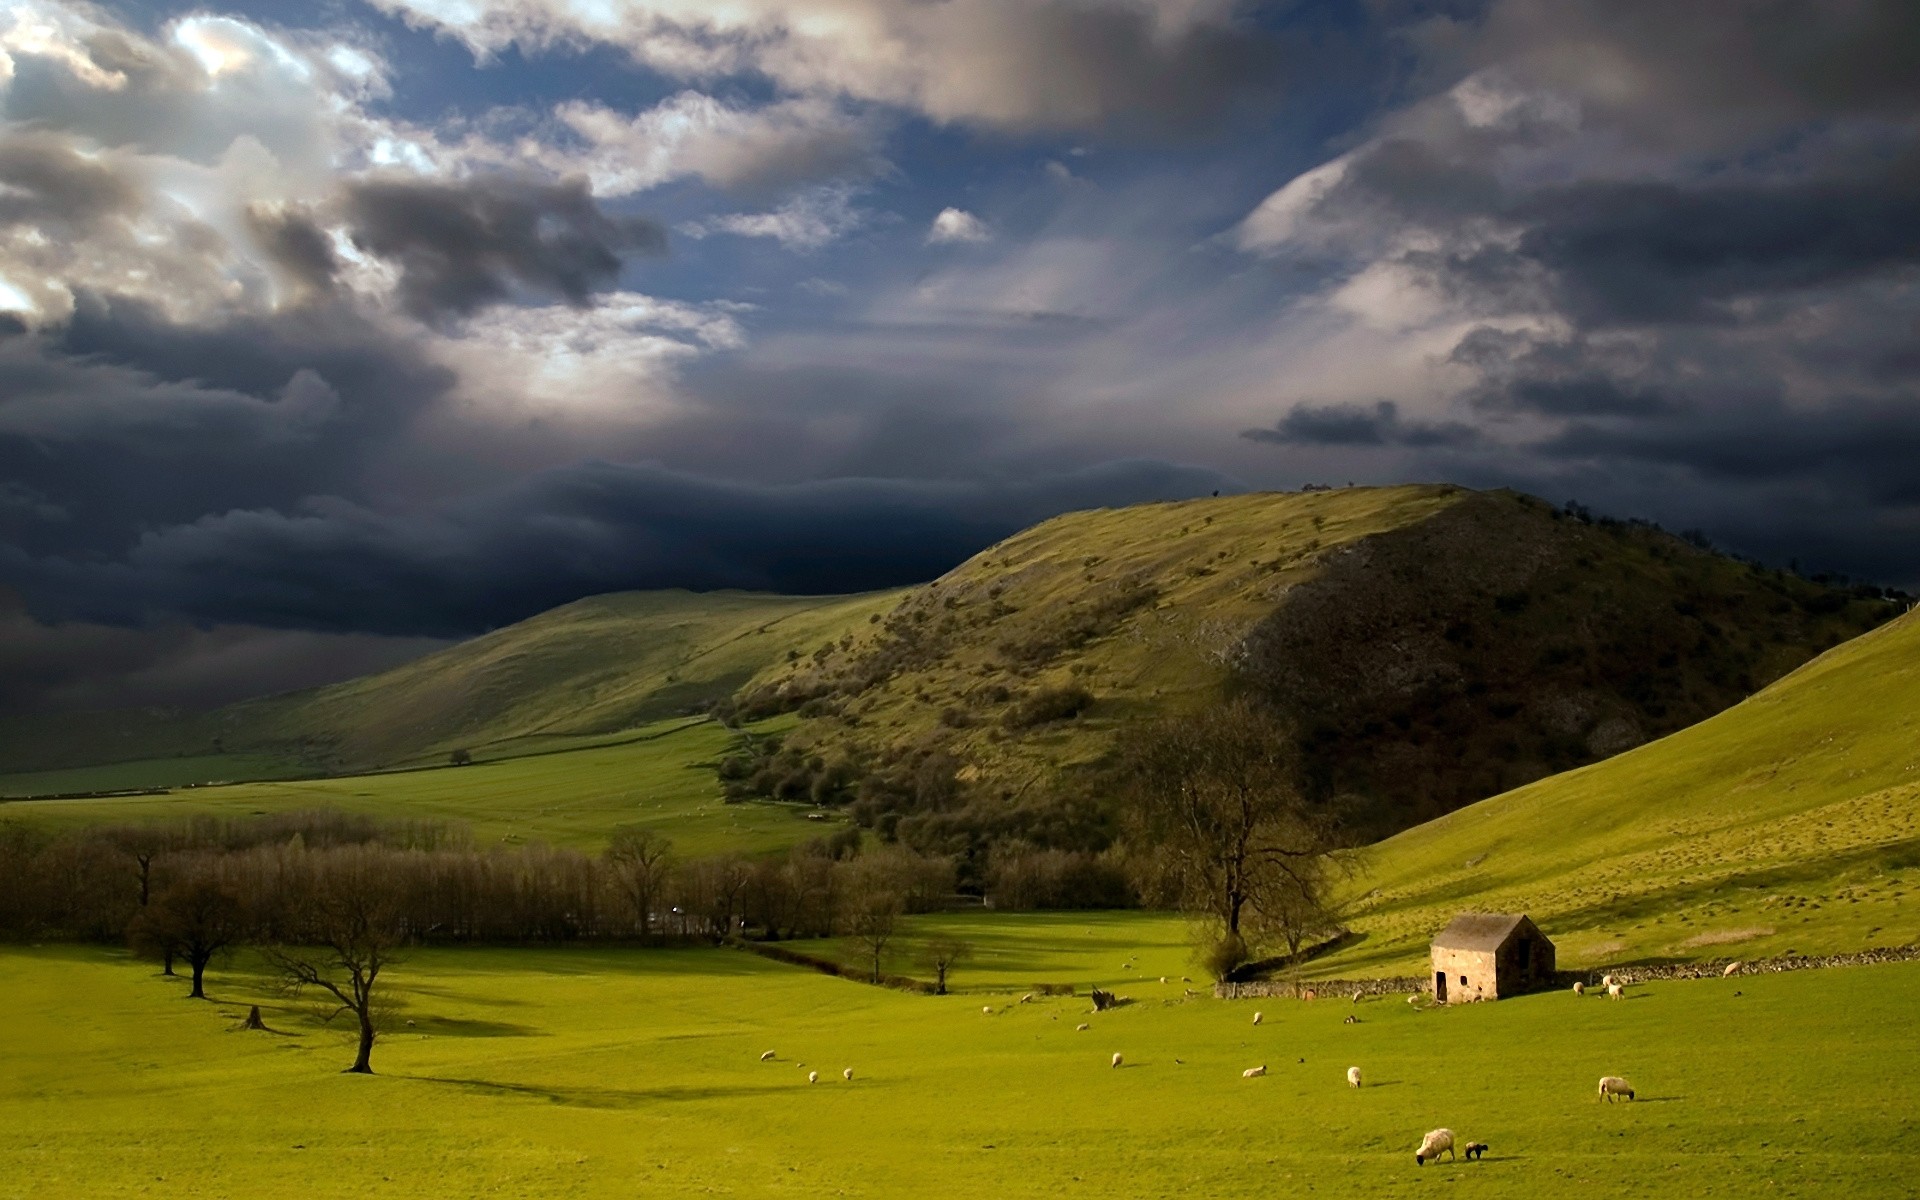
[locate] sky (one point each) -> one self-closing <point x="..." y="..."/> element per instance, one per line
<point x="332" y="332"/>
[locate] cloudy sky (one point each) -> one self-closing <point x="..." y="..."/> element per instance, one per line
<point x="323" y="342"/>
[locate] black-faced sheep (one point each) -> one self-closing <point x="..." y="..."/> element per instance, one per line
<point x="1474" y="1150"/>
<point x="1117" y="1060"/>
<point x="1613" y="1085"/>
<point x="1431" y="1146"/>
<point x="1254" y="1072"/>
<point x="1353" y="1076"/>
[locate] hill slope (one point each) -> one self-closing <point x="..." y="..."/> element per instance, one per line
<point x="1433" y="646"/>
<point x="1790" y="822"/>
<point x="593" y="667"/>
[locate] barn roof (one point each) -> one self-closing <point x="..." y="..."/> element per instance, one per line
<point x="1479" y="931"/>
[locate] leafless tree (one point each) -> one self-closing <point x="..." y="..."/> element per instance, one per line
<point x="641" y="861"/>
<point x="197" y="919"/>
<point x="872" y="920"/>
<point x="351" y="930"/>
<point x="1221" y="827"/>
<point x="942" y="955"/>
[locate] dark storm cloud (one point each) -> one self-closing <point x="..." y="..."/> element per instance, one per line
<point x="1356" y="425"/>
<point x="560" y="535"/>
<point x="46" y="181"/>
<point x="463" y="245"/>
<point x="295" y="244"/>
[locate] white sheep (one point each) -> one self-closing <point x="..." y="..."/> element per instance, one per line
<point x="1415" y="999"/>
<point x="1082" y="1027"/>
<point x="1353" y="1076"/>
<point x="767" y="1057"/>
<point x="1615" y="991"/>
<point x="1117" y="1060"/>
<point x="1163" y="979"/>
<point x="1431" y="1146"/>
<point x="1579" y="989"/>
<point x="1027" y="999"/>
<point x="1256" y="1017"/>
<point x="1607" y="981"/>
<point x="987" y="1009"/>
<point x="1613" y="1085"/>
<point x="1356" y="996"/>
<point x="847" y="1074"/>
<point x="1254" y="1072"/>
<point x="813" y="1077"/>
<point x="1733" y="968"/>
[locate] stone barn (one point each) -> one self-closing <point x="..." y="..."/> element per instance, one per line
<point x="1487" y="956"/>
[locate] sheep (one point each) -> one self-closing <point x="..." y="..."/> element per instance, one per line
<point x="1579" y="989"/>
<point x="1733" y="968"/>
<point x="1027" y="999"/>
<point x="1117" y="1060"/>
<point x="1431" y="1146"/>
<point x="1607" y="981"/>
<point x="1254" y="1072"/>
<point x="1256" y="1017"/>
<point x="1186" y="979"/>
<point x="813" y="1077"/>
<point x="1613" y="1085"/>
<point x="409" y="1022"/>
<point x="1415" y="999"/>
<point x="1309" y="994"/>
<point x="987" y="1009"/>
<point x="1474" y="1150"/>
<point x="1353" y="1076"/>
<point x="767" y="1057"/>
<point x="1356" y="995"/>
<point x="1351" y="1020"/>
<point x="1615" y="991"/>
<point x="1082" y="1027"/>
<point x="847" y="1074"/>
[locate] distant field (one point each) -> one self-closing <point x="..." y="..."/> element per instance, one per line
<point x="1789" y="822"/>
<point x="535" y="1073"/>
<point x="1016" y="950"/>
<point x="149" y="773"/>
<point x="661" y="776"/>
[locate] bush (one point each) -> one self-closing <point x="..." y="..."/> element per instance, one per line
<point x="1049" y="704"/>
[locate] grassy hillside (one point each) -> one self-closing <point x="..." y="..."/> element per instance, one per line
<point x="596" y="666"/>
<point x="1789" y="822"/>
<point x="547" y="1073"/>
<point x="1433" y="646"/>
<point x="660" y="776"/>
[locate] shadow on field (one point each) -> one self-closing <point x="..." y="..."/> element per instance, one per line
<point x="459" y="1027"/>
<point x="600" y="1097"/>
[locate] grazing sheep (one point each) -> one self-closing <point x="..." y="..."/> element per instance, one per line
<point x="1117" y="1060"/>
<point x="1351" y="1020"/>
<point x="1356" y="996"/>
<point x="1733" y="968"/>
<point x="1415" y="999"/>
<point x="1613" y="1085"/>
<point x="1353" y="1076"/>
<point x="1615" y="991"/>
<point x="1607" y="981"/>
<point x="1027" y="999"/>
<point x="767" y="1057"/>
<point x="409" y="1022"/>
<point x="1579" y="989"/>
<point x="847" y="1074"/>
<point x="813" y="1077"/>
<point x="987" y="1009"/>
<point x="1256" y="1017"/>
<point x="1431" y="1146"/>
<point x="1254" y="1072"/>
<point x="1474" y="1150"/>
<point x="1082" y="1027"/>
<point x="1186" y="979"/>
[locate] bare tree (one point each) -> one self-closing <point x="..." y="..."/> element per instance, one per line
<point x="1222" y="829"/>
<point x="350" y="929"/>
<point x="641" y="861"/>
<point x="872" y="920"/>
<point x="197" y="919"/>
<point x="942" y="955"/>
<point x="145" y="845"/>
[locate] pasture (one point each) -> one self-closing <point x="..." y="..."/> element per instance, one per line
<point x="661" y="777"/>
<point x="580" y="1073"/>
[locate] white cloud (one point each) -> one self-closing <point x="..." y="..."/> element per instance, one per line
<point x="809" y="221"/>
<point x="957" y="225"/>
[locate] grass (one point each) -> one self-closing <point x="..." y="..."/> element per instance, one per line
<point x="659" y="776"/>
<point x="1128" y="951"/>
<point x="550" y="1073"/>
<point x="594" y="667"/>
<point x="1790" y="822"/>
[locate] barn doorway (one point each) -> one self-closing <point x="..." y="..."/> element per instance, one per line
<point x="1440" y="986"/>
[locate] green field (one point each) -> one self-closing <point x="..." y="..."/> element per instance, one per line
<point x="1789" y="822"/>
<point x="660" y="776"/>
<point x="582" y="1073"/>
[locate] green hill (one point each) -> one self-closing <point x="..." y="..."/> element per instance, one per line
<point x="1790" y="822"/>
<point x="589" y="668"/>
<point x="1432" y="645"/>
